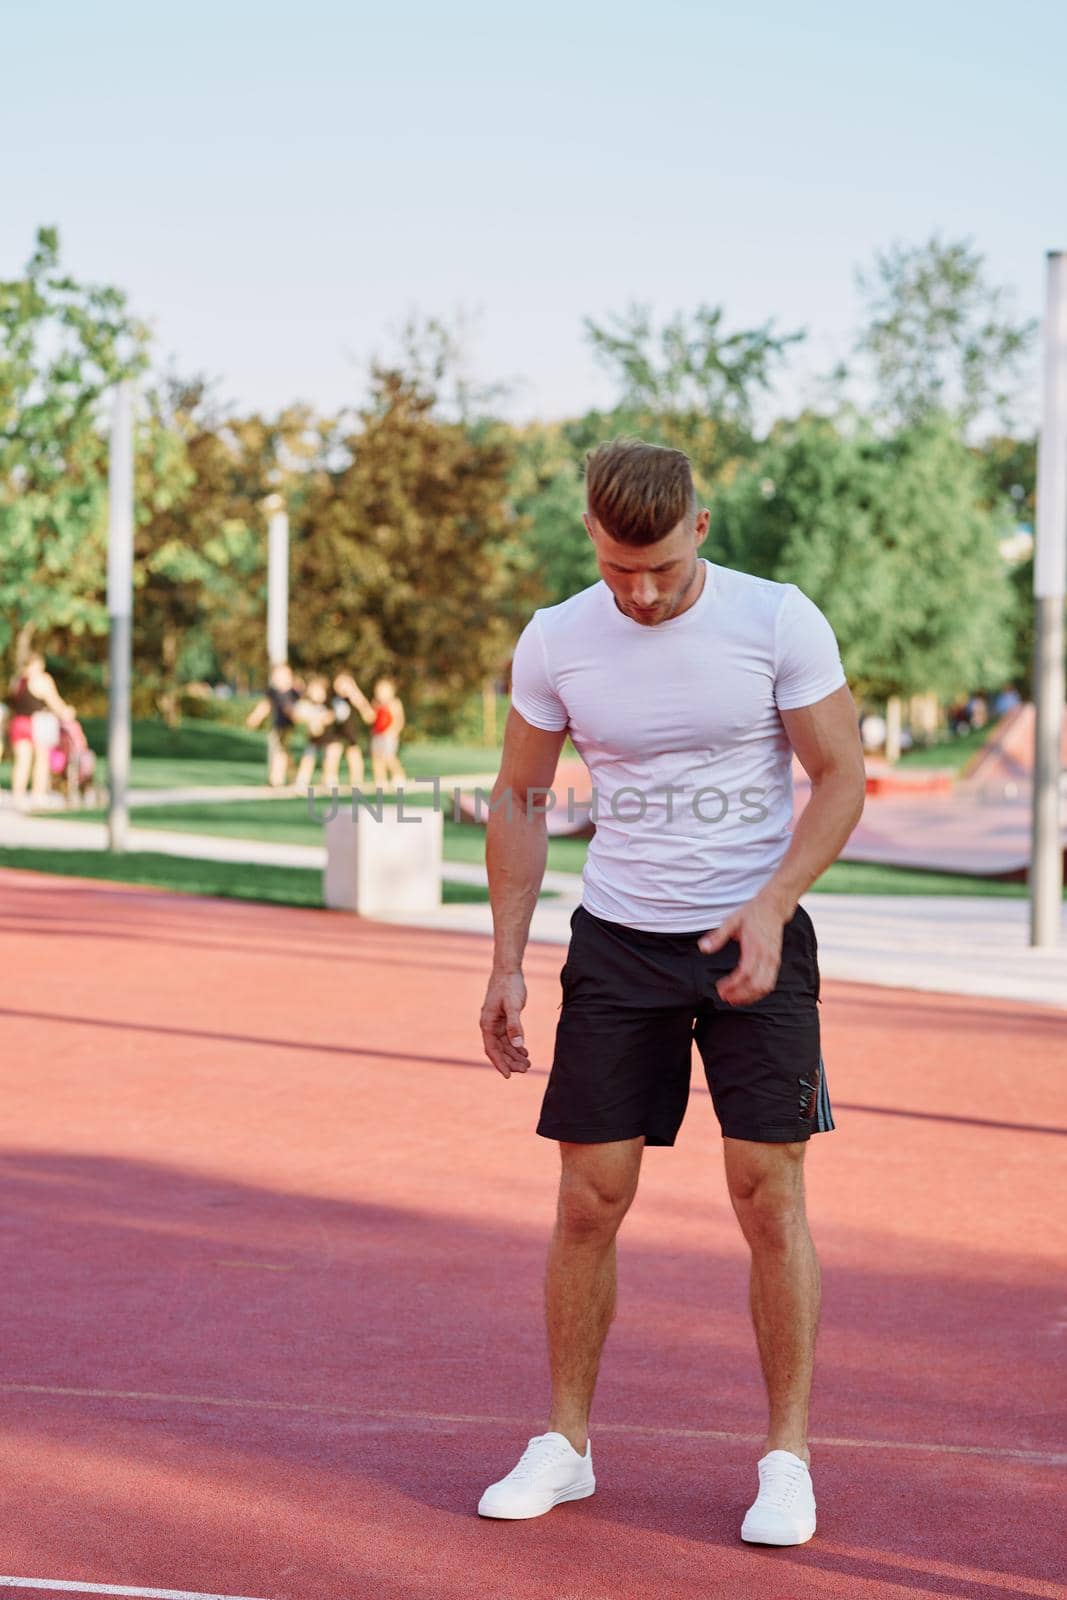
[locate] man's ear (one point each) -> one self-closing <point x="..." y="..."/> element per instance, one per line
<point x="588" y="524"/>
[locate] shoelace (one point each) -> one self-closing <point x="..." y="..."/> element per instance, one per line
<point x="779" y="1484"/>
<point x="537" y="1452"/>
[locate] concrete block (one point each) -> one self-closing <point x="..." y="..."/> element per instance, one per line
<point x="380" y="866"/>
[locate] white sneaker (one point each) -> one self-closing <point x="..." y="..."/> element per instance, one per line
<point x="549" y="1471"/>
<point x="784" y="1510"/>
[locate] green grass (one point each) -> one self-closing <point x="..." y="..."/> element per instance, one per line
<point x="195" y="754"/>
<point x="288" y="822"/>
<point x="442" y="759"/>
<point x="858" y="877"/>
<point x="229" y="880"/>
<point x="232" y="880"/>
<point x="211" y="754"/>
<point x="192" y="741"/>
<point x="199" y="754"/>
<point x="466" y="843"/>
<point x="273" y="821"/>
<point x="952" y="753"/>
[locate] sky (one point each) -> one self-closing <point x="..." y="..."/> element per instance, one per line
<point x="278" y="187"/>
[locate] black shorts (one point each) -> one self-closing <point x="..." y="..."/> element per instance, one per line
<point x="634" y="1002"/>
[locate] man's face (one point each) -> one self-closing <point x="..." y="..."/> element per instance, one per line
<point x="650" y="582"/>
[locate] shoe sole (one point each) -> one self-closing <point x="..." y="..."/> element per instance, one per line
<point x="581" y="1493"/>
<point x="750" y="1538"/>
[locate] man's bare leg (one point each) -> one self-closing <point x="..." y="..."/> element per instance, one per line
<point x="766" y="1183"/>
<point x="597" y="1184"/>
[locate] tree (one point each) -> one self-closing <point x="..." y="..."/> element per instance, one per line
<point x="407" y="558"/>
<point x="1009" y="472"/>
<point x="1008" y="469"/>
<point x="891" y="539"/>
<point x="63" y="344"/>
<point x="548" y="495"/>
<point x="692" y="385"/>
<point x="201" y="550"/>
<point x="940" y="337"/>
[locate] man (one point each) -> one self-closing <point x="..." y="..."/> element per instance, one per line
<point x="685" y="687"/>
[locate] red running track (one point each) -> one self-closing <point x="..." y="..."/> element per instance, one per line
<point x="273" y="1240"/>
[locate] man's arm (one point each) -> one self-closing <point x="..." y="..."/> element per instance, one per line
<point x="516" y="849"/>
<point x="826" y="740"/>
<point x="825" y="737"/>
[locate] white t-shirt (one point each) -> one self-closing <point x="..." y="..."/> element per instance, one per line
<point x="690" y="703"/>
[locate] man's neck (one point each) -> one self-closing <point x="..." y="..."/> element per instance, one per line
<point x="691" y="595"/>
<point x="696" y="588"/>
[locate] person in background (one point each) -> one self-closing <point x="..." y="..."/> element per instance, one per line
<point x="279" y="704"/>
<point x="1006" y="699"/>
<point x="873" y="731"/>
<point x="36" y="710"/>
<point x="959" y="719"/>
<point x="351" y="710"/>
<point x="386" y="729"/>
<point x="977" y="711"/>
<point x="314" y="713"/>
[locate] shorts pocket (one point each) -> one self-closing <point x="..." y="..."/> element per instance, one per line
<point x="813" y="952"/>
<point x="800" y="962"/>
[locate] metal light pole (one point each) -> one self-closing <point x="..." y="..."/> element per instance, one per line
<point x="119" y="609"/>
<point x="1050" y="572"/>
<point x="277" y="582"/>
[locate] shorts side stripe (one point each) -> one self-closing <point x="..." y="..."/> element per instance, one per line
<point x="825" y="1119"/>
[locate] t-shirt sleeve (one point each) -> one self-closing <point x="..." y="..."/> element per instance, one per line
<point x="807" y="661"/>
<point x="532" y="691"/>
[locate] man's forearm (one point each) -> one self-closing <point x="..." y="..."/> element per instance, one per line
<point x="516" y="849"/>
<point x="819" y="836"/>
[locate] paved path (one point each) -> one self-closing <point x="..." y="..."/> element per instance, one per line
<point x="965" y="945"/>
<point x="43" y="832"/>
<point x="208" y="792"/>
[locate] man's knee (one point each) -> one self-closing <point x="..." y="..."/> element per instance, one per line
<point x="597" y="1185"/>
<point x="766" y="1184"/>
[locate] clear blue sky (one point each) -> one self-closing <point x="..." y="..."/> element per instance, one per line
<point x="277" y="186"/>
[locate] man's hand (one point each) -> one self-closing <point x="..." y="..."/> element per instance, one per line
<point x="501" y="1025"/>
<point x="757" y="927"/>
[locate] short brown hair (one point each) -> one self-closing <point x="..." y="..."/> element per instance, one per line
<point x="638" y="492"/>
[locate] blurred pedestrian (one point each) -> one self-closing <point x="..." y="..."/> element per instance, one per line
<point x="351" y="710"/>
<point x="386" y="729"/>
<point x="873" y="731"/>
<point x="36" y="710"/>
<point x="1006" y="699"/>
<point x="315" y="713"/>
<point x="279" y="704"/>
<point x="959" y="718"/>
<point x="977" y="711"/>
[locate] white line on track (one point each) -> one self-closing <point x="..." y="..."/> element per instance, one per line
<point x="63" y="1586"/>
<point x="362" y="1414"/>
